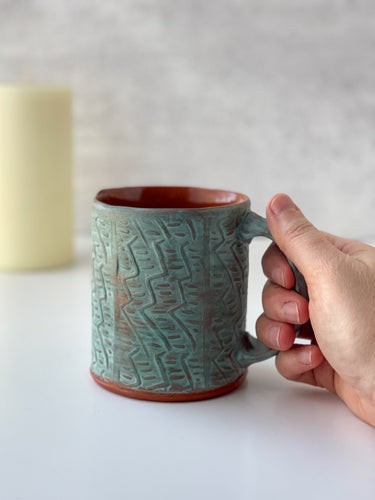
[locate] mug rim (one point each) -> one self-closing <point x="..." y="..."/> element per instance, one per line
<point x="115" y="198"/>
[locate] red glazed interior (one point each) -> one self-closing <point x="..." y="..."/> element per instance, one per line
<point x="169" y="197"/>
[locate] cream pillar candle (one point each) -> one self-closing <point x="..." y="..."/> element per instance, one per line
<point x="35" y="176"/>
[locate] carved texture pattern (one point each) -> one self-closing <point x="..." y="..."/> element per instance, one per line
<point x="168" y="298"/>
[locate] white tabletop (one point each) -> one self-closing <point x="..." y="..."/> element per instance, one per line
<point x="64" y="437"/>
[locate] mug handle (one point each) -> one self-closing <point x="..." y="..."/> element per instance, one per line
<point x="252" y="350"/>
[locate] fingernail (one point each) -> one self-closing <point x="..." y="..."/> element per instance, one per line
<point x="305" y="356"/>
<point x="280" y="203"/>
<point x="278" y="276"/>
<point x="273" y="335"/>
<point x="290" y="312"/>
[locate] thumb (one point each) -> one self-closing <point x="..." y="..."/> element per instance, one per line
<point x="297" y="238"/>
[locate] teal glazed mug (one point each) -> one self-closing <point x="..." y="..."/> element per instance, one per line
<point x="169" y="292"/>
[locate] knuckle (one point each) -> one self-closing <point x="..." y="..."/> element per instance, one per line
<point x="267" y="286"/>
<point x="264" y="261"/>
<point x="270" y="257"/>
<point x="299" y="231"/>
<point x="268" y="294"/>
<point x="282" y="367"/>
<point x="260" y="323"/>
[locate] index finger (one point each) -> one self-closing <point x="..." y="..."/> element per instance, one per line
<point x="276" y="267"/>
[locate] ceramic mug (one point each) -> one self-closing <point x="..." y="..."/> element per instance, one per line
<point x="169" y="291"/>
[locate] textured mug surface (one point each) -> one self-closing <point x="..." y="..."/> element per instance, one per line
<point x="169" y="292"/>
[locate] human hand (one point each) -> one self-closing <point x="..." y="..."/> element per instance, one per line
<point x="340" y="277"/>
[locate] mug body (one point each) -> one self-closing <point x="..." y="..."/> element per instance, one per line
<point x="169" y="291"/>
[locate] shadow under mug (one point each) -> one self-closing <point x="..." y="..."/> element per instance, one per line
<point x="169" y="291"/>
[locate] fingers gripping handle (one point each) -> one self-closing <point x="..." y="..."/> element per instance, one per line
<point x="251" y="349"/>
<point x="254" y="225"/>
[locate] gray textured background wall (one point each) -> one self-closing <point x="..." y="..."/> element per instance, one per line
<point x="258" y="96"/>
